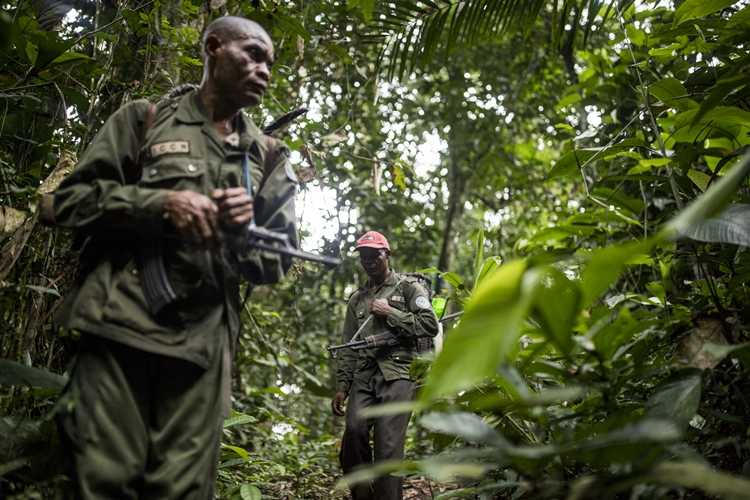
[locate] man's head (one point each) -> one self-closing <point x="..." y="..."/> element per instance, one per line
<point x="374" y="251"/>
<point x="237" y="55"/>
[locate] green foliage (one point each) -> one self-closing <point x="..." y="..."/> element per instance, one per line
<point x="574" y="174"/>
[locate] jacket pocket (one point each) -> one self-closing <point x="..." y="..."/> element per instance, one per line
<point x="176" y="173"/>
<point x="127" y="308"/>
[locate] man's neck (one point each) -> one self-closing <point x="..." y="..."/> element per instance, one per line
<point x="216" y="109"/>
<point x="380" y="279"/>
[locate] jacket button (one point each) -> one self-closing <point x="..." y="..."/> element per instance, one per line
<point x="153" y="171"/>
<point x="192" y="168"/>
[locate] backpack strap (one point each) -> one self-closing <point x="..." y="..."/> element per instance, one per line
<point x="273" y="151"/>
<point x="148" y="121"/>
<point x="415" y="278"/>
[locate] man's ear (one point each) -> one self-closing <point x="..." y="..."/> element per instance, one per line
<point x="212" y="45"/>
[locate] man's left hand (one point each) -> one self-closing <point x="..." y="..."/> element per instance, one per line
<point x="380" y="307"/>
<point x="235" y="206"/>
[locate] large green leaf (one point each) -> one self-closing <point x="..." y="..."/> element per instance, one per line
<point x="627" y="443"/>
<point x="250" y="492"/>
<point x="238" y="419"/>
<point x="488" y="332"/>
<point x="549" y="397"/>
<point x="701" y="476"/>
<point x="694" y="9"/>
<point x="467" y="426"/>
<point x="618" y="199"/>
<point x="731" y="226"/>
<point x="677" y="398"/>
<point x="13" y="373"/>
<point x="489" y="265"/>
<point x="709" y="203"/>
<point x="694" y="123"/>
<point x="717" y="352"/>
<point x="673" y="93"/>
<point x="630" y="442"/>
<point x="439" y="468"/>
<point x="608" y="338"/>
<point x="556" y="306"/>
<point x="716" y="94"/>
<point x="605" y="265"/>
<point x="571" y="162"/>
<point x="237" y="450"/>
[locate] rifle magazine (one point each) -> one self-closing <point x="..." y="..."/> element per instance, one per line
<point x="156" y="286"/>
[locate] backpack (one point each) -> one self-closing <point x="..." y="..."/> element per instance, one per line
<point x="425" y="344"/>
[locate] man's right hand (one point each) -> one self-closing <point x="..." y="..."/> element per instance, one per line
<point x="337" y="404"/>
<point x="194" y="216"/>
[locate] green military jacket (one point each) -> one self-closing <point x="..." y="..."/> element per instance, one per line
<point x="115" y="197"/>
<point x="411" y="317"/>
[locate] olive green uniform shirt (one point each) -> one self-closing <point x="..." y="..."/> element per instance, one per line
<point x="411" y="317"/>
<point x="115" y="198"/>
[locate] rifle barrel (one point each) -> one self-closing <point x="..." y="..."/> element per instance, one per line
<point x="262" y="233"/>
<point x="259" y="236"/>
<point x="300" y="254"/>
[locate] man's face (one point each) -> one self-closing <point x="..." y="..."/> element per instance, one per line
<point x="242" y="67"/>
<point x="374" y="261"/>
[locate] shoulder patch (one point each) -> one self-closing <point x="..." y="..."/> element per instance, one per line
<point x="422" y="302"/>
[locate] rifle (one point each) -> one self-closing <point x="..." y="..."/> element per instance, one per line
<point x="377" y="340"/>
<point x="271" y="241"/>
<point x="385" y="339"/>
<point x="369" y="342"/>
<point x="156" y="286"/>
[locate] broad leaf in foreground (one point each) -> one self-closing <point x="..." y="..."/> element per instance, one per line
<point x="488" y="332"/>
<point x="709" y="203"/>
<point x="730" y="226"/>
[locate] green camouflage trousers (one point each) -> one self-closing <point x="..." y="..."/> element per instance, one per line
<point x="138" y="425"/>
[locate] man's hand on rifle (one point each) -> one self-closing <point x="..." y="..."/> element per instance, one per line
<point x="235" y="207"/>
<point x="194" y="216"/>
<point x="380" y="307"/>
<point x="337" y="403"/>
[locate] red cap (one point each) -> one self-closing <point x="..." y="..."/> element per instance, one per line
<point x="372" y="239"/>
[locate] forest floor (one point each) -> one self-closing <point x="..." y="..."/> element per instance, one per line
<point x="417" y="488"/>
<point x="423" y="489"/>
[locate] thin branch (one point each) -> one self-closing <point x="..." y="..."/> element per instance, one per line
<point x="652" y="117"/>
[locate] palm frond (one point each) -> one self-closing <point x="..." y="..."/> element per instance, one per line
<point x="413" y="31"/>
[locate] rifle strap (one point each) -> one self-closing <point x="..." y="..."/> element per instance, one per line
<point x="273" y="151"/>
<point x="148" y="121"/>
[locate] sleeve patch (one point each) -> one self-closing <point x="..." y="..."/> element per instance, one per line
<point x="422" y="302"/>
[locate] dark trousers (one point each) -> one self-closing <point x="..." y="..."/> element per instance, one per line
<point x="388" y="436"/>
<point x="137" y="425"/>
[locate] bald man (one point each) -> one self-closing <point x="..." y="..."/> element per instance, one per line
<point x="142" y="414"/>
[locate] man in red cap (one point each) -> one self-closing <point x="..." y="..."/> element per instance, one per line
<point x="388" y="302"/>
